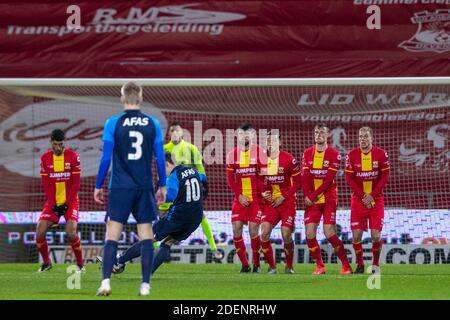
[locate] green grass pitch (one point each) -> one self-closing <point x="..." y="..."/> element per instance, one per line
<point x="220" y="281"/>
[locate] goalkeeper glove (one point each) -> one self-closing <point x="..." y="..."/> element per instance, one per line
<point x="205" y="189"/>
<point x="60" y="210"/>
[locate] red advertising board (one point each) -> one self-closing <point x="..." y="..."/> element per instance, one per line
<point x="179" y="39"/>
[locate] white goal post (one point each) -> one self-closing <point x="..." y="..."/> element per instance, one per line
<point x="212" y="82"/>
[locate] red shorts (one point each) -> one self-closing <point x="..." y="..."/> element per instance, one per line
<point x="252" y="213"/>
<point x="314" y="213"/>
<point x="284" y="213"/>
<point x="71" y="214"/>
<point x="360" y="215"/>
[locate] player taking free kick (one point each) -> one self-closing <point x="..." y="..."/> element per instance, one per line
<point x="187" y="154"/>
<point x="180" y="215"/>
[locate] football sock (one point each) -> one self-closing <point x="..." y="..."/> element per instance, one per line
<point x="339" y="249"/>
<point x="109" y="258"/>
<point x="266" y="248"/>
<point x="42" y="246"/>
<point x="132" y="252"/>
<point x="76" y="247"/>
<point x="289" y="253"/>
<point x="240" y="250"/>
<point x="357" y="246"/>
<point x="256" y="246"/>
<point x="376" y="250"/>
<point x="161" y="256"/>
<point x="314" y="250"/>
<point x="146" y="259"/>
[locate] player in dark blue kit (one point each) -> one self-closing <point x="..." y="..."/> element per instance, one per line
<point x="132" y="139"/>
<point x="181" y="214"/>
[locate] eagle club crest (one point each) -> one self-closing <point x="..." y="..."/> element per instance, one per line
<point x="433" y="33"/>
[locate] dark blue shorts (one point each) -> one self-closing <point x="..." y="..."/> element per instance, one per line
<point x="179" y="230"/>
<point x="140" y="203"/>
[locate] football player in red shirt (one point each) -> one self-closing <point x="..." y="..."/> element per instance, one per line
<point x="320" y="165"/>
<point x="367" y="172"/>
<point x="60" y="174"/>
<point x="242" y="170"/>
<point x="279" y="181"/>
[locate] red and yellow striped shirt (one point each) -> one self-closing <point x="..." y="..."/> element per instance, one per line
<point x="242" y="170"/>
<point x="281" y="176"/>
<point x="315" y="167"/>
<point x="366" y="170"/>
<point x="57" y="174"/>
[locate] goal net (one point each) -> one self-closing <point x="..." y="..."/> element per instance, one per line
<point x="409" y="116"/>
